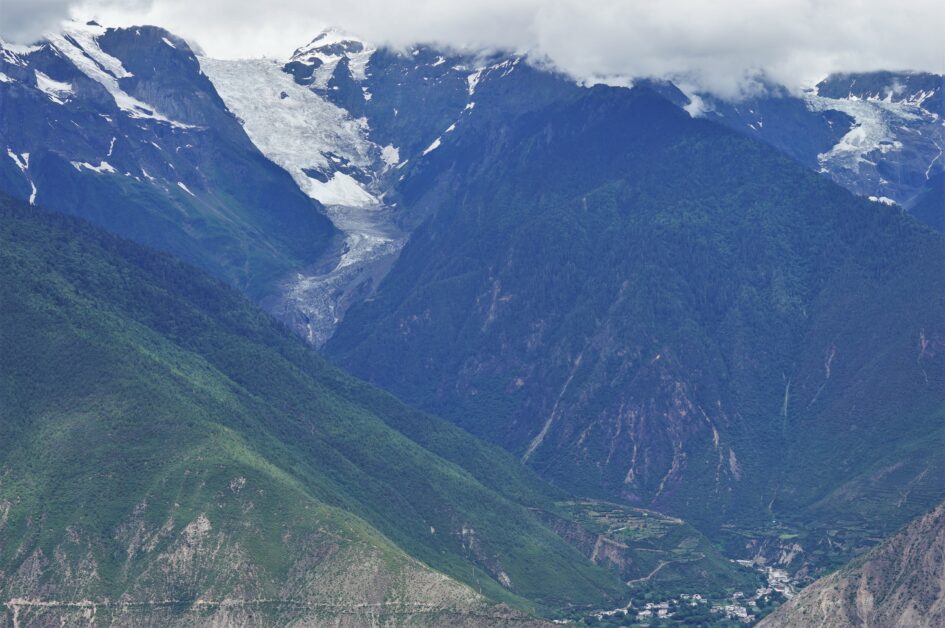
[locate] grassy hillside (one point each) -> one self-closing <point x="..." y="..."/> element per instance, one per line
<point x="164" y="443"/>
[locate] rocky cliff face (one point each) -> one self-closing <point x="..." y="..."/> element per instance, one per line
<point x="901" y="583"/>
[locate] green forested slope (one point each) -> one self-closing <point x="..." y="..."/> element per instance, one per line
<point x="648" y="307"/>
<point x="164" y="442"/>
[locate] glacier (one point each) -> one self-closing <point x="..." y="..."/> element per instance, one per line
<point x="888" y="146"/>
<point x="330" y="157"/>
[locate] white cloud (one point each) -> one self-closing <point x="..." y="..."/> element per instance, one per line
<point x="718" y="46"/>
<point x="25" y="21"/>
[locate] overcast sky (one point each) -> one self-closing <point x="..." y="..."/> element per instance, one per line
<point x="710" y="44"/>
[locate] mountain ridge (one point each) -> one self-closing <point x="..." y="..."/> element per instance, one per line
<point x="898" y="583"/>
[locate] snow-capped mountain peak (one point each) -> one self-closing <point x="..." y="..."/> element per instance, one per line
<point x="920" y="89"/>
<point x="79" y="43"/>
<point x="120" y="126"/>
<point x="331" y="43"/>
<point x="318" y="59"/>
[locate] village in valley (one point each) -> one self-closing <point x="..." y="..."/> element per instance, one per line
<point x="696" y="609"/>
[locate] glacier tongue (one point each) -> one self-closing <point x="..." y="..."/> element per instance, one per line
<point x="372" y="243"/>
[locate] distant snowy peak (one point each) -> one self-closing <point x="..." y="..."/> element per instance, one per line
<point x="329" y="45"/>
<point x="15" y="54"/>
<point x="407" y="97"/>
<point x="94" y="117"/>
<point x="921" y="89"/>
<point x="334" y="56"/>
<point x="879" y="134"/>
<point x="315" y="63"/>
<point x="79" y="46"/>
<point x="895" y="145"/>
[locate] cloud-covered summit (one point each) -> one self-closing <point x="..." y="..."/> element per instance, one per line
<point x="716" y="46"/>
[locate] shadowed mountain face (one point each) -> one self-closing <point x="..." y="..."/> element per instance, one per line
<point x="650" y="307"/>
<point x="898" y="584"/>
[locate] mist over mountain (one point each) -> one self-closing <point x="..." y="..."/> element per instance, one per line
<point x="720" y="47"/>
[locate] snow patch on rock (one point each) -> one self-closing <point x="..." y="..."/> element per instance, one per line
<point x="101" y="168"/>
<point x="432" y="147"/>
<point x="57" y="91"/>
<point x="341" y="189"/>
<point x="391" y="155"/>
<point x="79" y="44"/>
